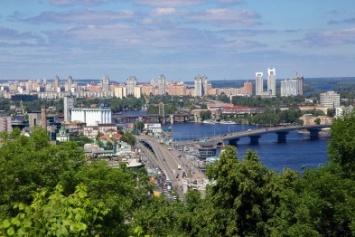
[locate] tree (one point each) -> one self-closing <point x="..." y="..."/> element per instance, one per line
<point x="317" y="121"/>
<point x="341" y="148"/>
<point x="138" y="127"/>
<point x="238" y="198"/>
<point x="205" y="114"/>
<point x="54" y="214"/>
<point x="129" y="138"/>
<point x="29" y="163"/>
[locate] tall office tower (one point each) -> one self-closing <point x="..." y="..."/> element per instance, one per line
<point x="105" y="84"/>
<point x="259" y="83"/>
<point x="131" y="84"/>
<point x="68" y="84"/>
<point x="161" y="85"/>
<point x="68" y="105"/>
<point x="271" y="81"/>
<point x="201" y="83"/>
<point x="56" y="84"/>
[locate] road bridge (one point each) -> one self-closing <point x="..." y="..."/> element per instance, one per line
<point x="255" y="134"/>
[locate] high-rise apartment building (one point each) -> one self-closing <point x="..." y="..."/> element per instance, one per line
<point x="271" y="81"/>
<point x="69" y="84"/>
<point x="259" y="83"/>
<point x="161" y="85"/>
<point x="201" y="85"/>
<point x="56" y="84"/>
<point x="105" y="83"/>
<point x="131" y="84"/>
<point x="68" y="105"/>
<point x="330" y="99"/>
<point x="293" y="86"/>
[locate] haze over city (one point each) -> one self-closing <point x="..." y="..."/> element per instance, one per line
<point x="223" y="39"/>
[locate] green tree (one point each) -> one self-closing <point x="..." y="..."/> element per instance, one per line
<point x="317" y="121"/>
<point x="29" y="163"/>
<point x="54" y="214"/>
<point x="205" y="114"/>
<point x="138" y="127"/>
<point x="129" y="138"/>
<point x="238" y="199"/>
<point x="341" y="148"/>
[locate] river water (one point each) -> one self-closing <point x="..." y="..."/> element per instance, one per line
<point x="297" y="153"/>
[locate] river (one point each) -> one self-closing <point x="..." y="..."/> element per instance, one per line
<point x="297" y="153"/>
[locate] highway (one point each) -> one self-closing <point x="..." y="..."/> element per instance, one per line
<point x="168" y="159"/>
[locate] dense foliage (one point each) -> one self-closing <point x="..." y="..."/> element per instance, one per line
<point x="244" y="198"/>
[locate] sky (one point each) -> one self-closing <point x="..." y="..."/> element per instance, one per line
<point x="181" y="39"/>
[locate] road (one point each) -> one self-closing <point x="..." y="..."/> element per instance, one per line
<point x="168" y="159"/>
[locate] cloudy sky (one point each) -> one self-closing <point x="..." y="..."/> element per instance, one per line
<point x="223" y="39"/>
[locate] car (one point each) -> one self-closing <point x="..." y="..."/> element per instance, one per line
<point x="249" y="130"/>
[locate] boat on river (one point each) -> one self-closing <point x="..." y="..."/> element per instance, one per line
<point x="209" y="121"/>
<point x="227" y="122"/>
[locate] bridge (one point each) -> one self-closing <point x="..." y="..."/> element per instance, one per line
<point x="151" y="118"/>
<point x="255" y="134"/>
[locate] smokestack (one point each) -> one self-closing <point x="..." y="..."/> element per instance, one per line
<point x="43" y="117"/>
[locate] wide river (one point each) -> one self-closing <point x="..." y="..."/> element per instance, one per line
<point x="297" y="153"/>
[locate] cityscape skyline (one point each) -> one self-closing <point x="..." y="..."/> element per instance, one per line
<point x="223" y="39"/>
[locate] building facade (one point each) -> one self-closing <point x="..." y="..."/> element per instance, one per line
<point x="201" y="88"/>
<point x="68" y="105"/>
<point x="259" y="83"/>
<point x="131" y="84"/>
<point x="330" y="99"/>
<point x="91" y="116"/>
<point x="161" y="85"/>
<point x="105" y="84"/>
<point x="271" y="81"/>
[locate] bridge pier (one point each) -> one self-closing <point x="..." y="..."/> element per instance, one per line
<point x="233" y="141"/>
<point x="313" y="133"/>
<point x="254" y="139"/>
<point x="281" y="137"/>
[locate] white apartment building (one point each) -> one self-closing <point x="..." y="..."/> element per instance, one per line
<point x="330" y="99"/>
<point x="259" y="83"/>
<point x="201" y="88"/>
<point x="271" y="81"/>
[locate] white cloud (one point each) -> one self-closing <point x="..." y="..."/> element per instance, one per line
<point x="170" y="3"/>
<point x="161" y="11"/>
<point x="76" y="2"/>
<point x="329" y="37"/>
<point x="224" y="15"/>
<point x="82" y="16"/>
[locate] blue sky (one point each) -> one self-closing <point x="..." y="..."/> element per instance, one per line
<point x="223" y="39"/>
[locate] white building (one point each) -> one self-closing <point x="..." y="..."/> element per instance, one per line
<point x="161" y="85"/>
<point x="259" y="83"/>
<point x="271" y="81"/>
<point x="292" y="86"/>
<point x="91" y="116"/>
<point x="201" y="86"/>
<point x="330" y="99"/>
<point x="131" y="84"/>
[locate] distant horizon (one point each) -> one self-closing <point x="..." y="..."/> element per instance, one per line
<point x="209" y="80"/>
